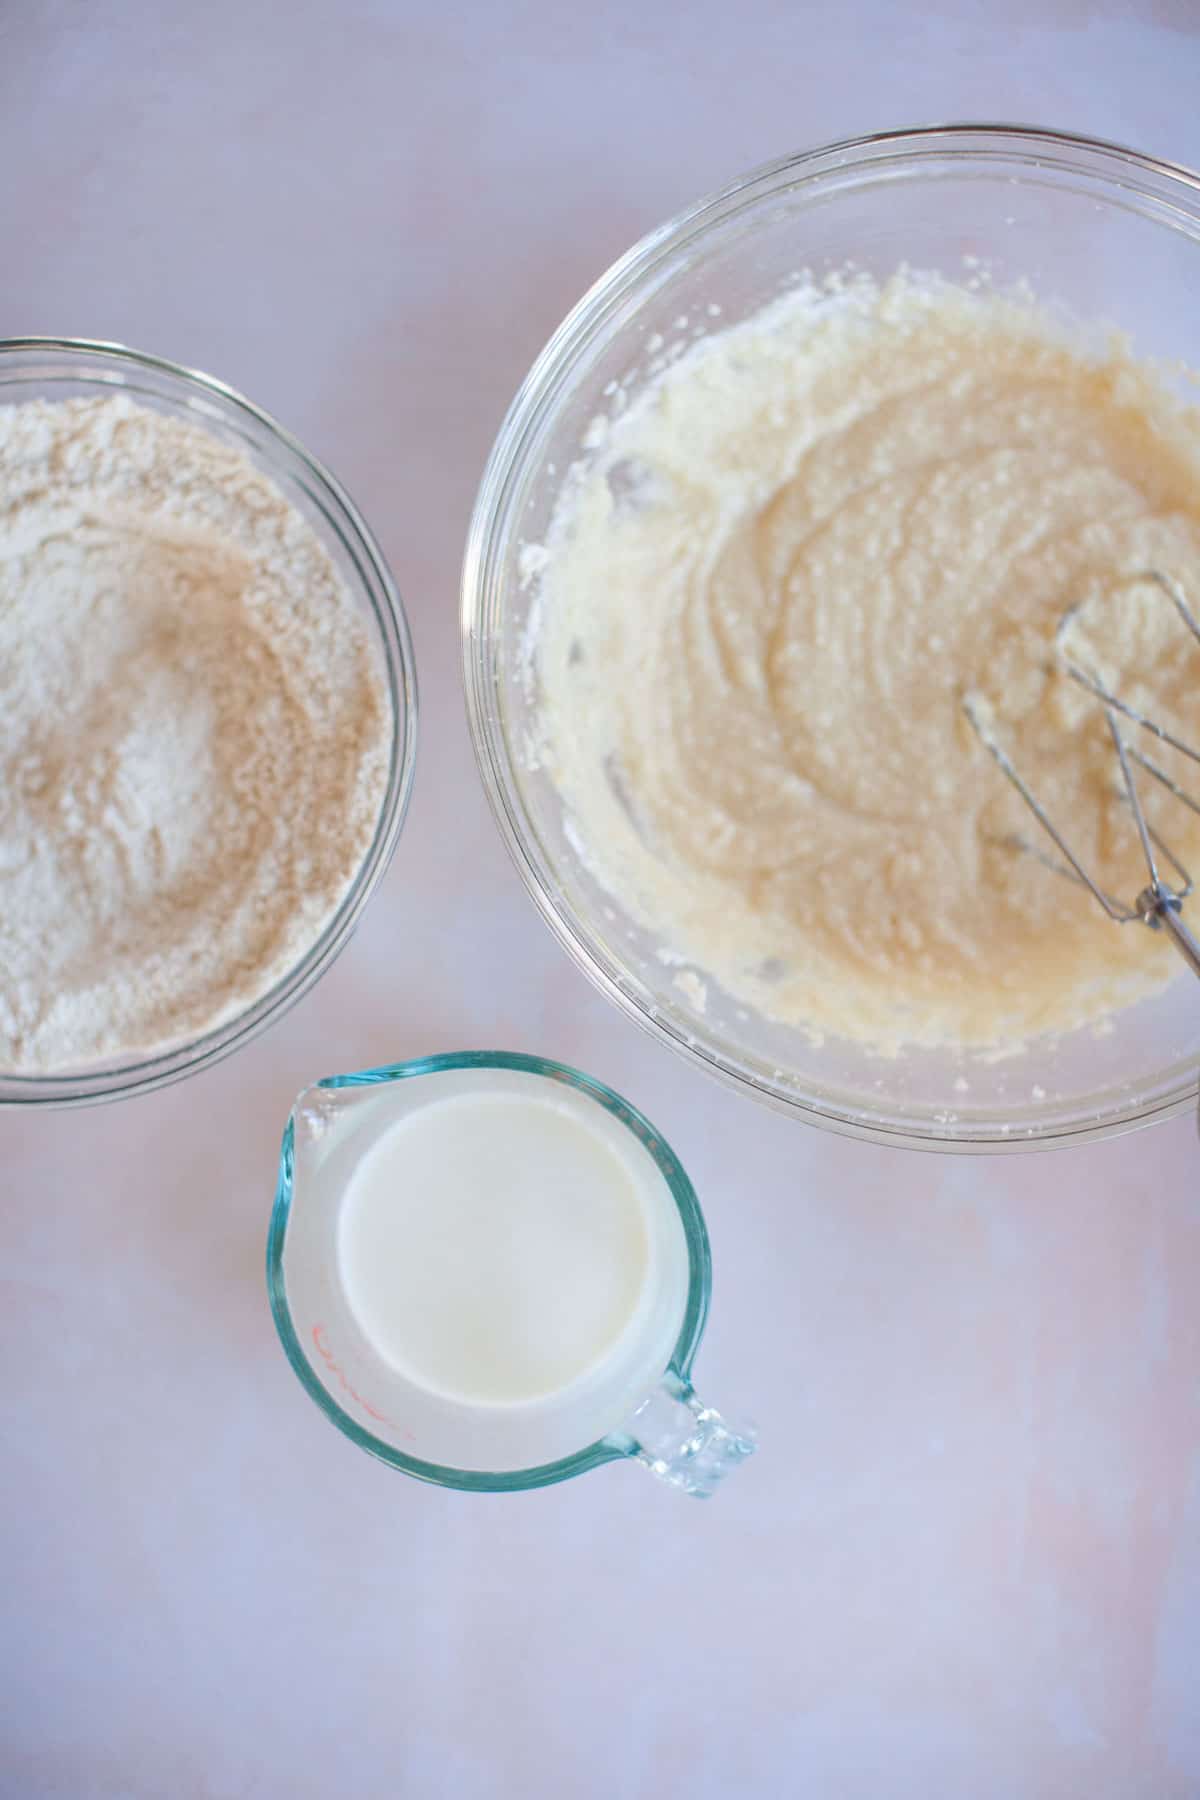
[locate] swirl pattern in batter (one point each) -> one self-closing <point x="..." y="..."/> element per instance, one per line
<point x="762" y="598"/>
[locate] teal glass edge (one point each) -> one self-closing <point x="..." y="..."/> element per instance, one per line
<point x="699" y="1264"/>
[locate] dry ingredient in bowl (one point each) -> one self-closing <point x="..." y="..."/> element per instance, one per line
<point x="763" y="593"/>
<point x="194" y="733"/>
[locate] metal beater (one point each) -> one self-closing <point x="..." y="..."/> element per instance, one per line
<point x="1160" y="902"/>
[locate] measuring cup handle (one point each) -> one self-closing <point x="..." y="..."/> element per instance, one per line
<point x="679" y="1439"/>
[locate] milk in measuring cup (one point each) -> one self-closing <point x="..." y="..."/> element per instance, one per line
<point x="510" y="1271"/>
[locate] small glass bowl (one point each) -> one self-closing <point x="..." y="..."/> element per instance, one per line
<point x="1112" y="235"/>
<point x="70" y="368"/>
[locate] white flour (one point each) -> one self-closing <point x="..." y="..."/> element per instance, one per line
<point x="194" y="735"/>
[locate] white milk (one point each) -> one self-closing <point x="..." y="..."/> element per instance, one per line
<point x="512" y="1267"/>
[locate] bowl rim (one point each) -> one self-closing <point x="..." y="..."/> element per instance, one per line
<point x="207" y="397"/>
<point x="1158" y="178"/>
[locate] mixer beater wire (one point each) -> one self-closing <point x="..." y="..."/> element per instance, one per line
<point x="1159" y="905"/>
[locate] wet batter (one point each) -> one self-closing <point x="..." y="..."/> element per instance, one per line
<point x="763" y="596"/>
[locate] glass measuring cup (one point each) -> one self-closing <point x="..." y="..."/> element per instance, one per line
<point x="331" y="1128"/>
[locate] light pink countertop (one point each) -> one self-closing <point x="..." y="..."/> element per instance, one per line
<point x="966" y="1561"/>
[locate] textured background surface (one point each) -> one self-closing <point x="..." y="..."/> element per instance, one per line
<point x="967" y="1559"/>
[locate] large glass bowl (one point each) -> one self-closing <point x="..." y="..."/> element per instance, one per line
<point x="67" y="368"/>
<point x="1111" y="234"/>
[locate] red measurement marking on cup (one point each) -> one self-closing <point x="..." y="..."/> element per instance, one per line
<point x="327" y="1357"/>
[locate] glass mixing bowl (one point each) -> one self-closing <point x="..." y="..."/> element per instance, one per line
<point x="66" y="368"/>
<point x="1111" y="234"/>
